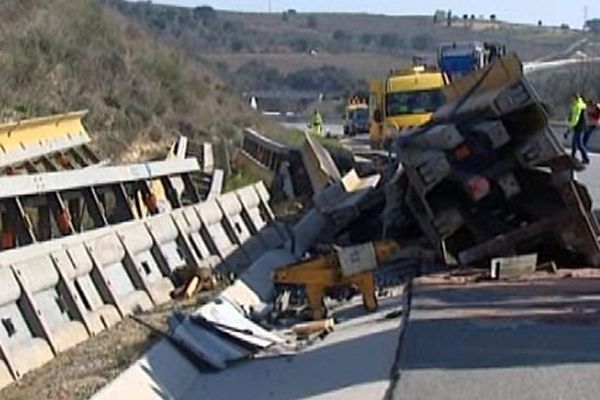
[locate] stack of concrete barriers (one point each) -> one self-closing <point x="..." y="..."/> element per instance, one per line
<point x="56" y="294"/>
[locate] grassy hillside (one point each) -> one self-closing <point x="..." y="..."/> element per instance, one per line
<point x="63" y="55"/>
<point x="254" y="47"/>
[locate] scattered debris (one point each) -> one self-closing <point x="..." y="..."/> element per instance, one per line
<point x="394" y="314"/>
<point x="484" y="180"/>
<point x="306" y="329"/>
<point x="487" y="177"/>
<point x="549" y="267"/>
<point x="513" y="267"/>
<point x="192" y="279"/>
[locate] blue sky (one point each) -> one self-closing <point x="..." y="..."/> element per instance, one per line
<point x="552" y="12"/>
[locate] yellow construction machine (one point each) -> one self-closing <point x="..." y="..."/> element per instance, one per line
<point x="342" y="267"/>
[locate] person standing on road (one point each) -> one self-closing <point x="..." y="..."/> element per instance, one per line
<point x="592" y="120"/>
<point x="316" y="122"/>
<point x="576" y="122"/>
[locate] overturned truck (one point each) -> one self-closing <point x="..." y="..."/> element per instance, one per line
<point x="487" y="177"/>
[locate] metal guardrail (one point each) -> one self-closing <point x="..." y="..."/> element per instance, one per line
<point x="46" y="206"/>
<point x="276" y="163"/>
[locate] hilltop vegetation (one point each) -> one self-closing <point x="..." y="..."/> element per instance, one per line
<point x="291" y="49"/>
<point x="66" y="55"/>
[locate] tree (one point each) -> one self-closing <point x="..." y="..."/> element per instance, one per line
<point x="230" y="26"/>
<point x="311" y="22"/>
<point x="421" y="42"/>
<point x="367" y="38"/>
<point x="300" y="45"/>
<point x="449" y="21"/>
<point x="323" y="79"/>
<point x="439" y="16"/>
<point x="205" y="13"/>
<point x="593" y="25"/>
<point x="340" y="35"/>
<point x="237" y="45"/>
<point x="493" y="17"/>
<point x="540" y="23"/>
<point x="390" y="41"/>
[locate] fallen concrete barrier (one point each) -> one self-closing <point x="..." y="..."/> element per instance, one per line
<point x="59" y="292"/>
<point x="219" y="237"/>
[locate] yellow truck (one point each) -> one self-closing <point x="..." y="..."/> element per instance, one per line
<point x="406" y="98"/>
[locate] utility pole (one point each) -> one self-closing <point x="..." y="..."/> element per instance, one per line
<point x="269" y="6"/>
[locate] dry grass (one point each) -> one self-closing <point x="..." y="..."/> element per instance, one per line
<point x="81" y="371"/>
<point x="364" y="65"/>
<point x="79" y="54"/>
<point x="528" y="40"/>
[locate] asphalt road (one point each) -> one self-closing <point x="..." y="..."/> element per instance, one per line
<point x="353" y="362"/>
<point x="483" y="341"/>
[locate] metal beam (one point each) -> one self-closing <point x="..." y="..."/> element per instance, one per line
<point x="23" y="185"/>
<point x="32" y="138"/>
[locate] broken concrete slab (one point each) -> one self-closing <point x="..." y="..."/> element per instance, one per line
<point x="513" y="267"/>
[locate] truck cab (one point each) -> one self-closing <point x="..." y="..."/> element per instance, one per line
<point x="461" y="58"/>
<point x="405" y="99"/>
<point x="356" y="117"/>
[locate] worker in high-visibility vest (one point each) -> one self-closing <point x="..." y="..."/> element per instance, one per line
<point x="576" y="122"/>
<point x="592" y="120"/>
<point x="316" y="123"/>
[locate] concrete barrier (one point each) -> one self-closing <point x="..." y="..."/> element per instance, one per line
<point x="58" y="293"/>
<point x="218" y="239"/>
<point x="259" y="217"/>
<point x="189" y="223"/>
<point x="122" y="280"/>
<point x="23" y="343"/>
<point x="59" y="317"/>
<point x="253" y="246"/>
<point x="141" y="254"/>
<point x="171" y="248"/>
<point x="77" y="270"/>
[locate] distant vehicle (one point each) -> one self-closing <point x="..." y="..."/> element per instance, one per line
<point x="461" y="58"/>
<point x="356" y="117"/>
<point x="405" y="99"/>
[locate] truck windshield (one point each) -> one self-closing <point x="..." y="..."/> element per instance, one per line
<point x="417" y="102"/>
<point x="359" y="115"/>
